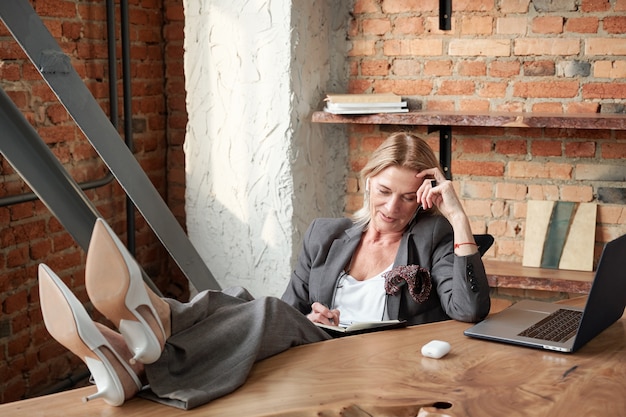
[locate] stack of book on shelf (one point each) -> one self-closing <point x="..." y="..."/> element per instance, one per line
<point x="364" y="103"/>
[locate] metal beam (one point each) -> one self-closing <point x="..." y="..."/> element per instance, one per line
<point x="41" y="170"/>
<point x="55" y="67"/>
<point x="44" y="174"/>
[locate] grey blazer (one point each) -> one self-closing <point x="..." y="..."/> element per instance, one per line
<point x="460" y="289"/>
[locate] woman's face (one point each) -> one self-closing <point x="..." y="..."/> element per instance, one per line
<point x="392" y="198"/>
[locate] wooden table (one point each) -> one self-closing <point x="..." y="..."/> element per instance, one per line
<point x="384" y="374"/>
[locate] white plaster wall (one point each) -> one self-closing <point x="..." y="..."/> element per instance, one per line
<point x="257" y="170"/>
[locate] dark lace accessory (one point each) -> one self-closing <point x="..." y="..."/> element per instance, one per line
<point x="416" y="277"/>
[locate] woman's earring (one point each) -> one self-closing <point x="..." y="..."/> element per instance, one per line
<point x="367" y="184"/>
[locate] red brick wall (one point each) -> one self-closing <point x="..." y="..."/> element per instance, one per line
<point x="503" y="55"/>
<point x="514" y="55"/>
<point x="29" y="360"/>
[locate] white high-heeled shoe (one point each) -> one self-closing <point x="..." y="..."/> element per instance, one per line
<point x="69" y="323"/>
<point x="115" y="286"/>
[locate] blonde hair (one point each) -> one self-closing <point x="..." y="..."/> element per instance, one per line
<point x="402" y="150"/>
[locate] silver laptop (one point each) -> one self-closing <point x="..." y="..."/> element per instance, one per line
<point x="558" y="327"/>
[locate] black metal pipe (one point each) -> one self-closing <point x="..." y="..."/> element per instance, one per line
<point x="25" y="197"/>
<point x="113" y="106"/>
<point x="445" y="150"/>
<point x="445" y="14"/>
<point x="128" y="117"/>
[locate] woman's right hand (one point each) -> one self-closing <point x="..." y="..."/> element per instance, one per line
<point x="322" y="314"/>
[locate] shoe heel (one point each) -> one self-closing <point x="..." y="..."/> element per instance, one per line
<point x="109" y="388"/>
<point x="115" y="286"/>
<point x="143" y="343"/>
<point x="69" y="324"/>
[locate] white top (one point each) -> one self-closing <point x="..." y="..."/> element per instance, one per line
<point x="359" y="301"/>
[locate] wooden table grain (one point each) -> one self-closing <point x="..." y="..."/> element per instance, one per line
<point x="384" y="374"/>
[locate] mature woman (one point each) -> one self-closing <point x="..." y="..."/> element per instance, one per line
<point x="411" y="216"/>
<point x="191" y="353"/>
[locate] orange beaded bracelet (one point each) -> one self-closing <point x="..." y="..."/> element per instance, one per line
<point x="458" y="245"/>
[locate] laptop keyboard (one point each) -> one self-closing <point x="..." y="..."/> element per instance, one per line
<point x="557" y="327"/>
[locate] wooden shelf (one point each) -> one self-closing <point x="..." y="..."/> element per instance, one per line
<point x="482" y="119"/>
<point x="502" y="274"/>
